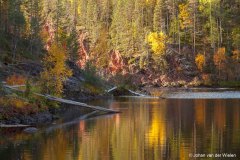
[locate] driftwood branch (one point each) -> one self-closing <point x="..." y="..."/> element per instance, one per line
<point x="130" y="91"/>
<point x="112" y="89"/>
<point x="138" y="94"/>
<point x="134" y="93"/>
<point x="13" y="126"/>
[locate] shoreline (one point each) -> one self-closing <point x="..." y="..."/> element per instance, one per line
<point x="52" y="114"/>
<point x="45" y="118"/>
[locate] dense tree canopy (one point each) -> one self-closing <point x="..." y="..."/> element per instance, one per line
<point x="90" y="30"/>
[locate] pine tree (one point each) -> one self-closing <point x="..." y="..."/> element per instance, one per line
<point x="73" y="45"/>
<point x="195" y="15"/>
<point x="172" y="20"/>
<point x="106" y="12"/>
<point x="140" y="55"/>
<point x="210" y="30"/>
<point x="93" y="23"/>
<point x="82" y="10"/>
<point x="33" y="17"/>
<point x="17" y="22"/>
<point x="121" y="30"/>
<point x="159" y="17"/>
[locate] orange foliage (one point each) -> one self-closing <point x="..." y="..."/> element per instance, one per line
<point x="199" y="60"/>
<point x="207" y="79"/>
<point x="16" y="80"/>
<point x="219" y="57"/>
<point x="236" y="55"/>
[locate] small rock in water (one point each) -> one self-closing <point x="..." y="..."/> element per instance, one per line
<point x="43" y="117"/>
<point x="30" y="130"/>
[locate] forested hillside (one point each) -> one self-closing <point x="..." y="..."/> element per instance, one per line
<point x="154" y="40"/>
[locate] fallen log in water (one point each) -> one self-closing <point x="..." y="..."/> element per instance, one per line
<point x="13" y="126"/>
<point x="119" y="91"/>
<point x="49" y="97"/>
<point x="138" y="94"/>
<point x="65" y="101"/>
<point x="112" y="89"/>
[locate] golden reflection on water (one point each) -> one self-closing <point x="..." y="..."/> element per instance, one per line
<point x="146" y="129"/>
<point x="156" y="134"/>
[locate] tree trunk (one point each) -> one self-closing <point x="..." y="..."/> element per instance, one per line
<point x="1" y="15"/>
<point x="31" y="28"/>
<point x="194" y="31"/>
<point x="57" y="25"/>
<point x="221" y="35"/>
<point x="179" y="39"/>
<point x="211" y="27"/>
<point x="219" y="69"/>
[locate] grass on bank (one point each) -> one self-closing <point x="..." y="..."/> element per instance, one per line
<point x="229" y="84"/>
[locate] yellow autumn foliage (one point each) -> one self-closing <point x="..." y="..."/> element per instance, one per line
<point x="184" y="16"/>
<point x="55" y="71"/>
<point x="12" y="101"/>
<point x="199" y="60"/>
<point x="157" y="42"/>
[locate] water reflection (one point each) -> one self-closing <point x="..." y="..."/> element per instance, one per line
<point x="146" y="129"/>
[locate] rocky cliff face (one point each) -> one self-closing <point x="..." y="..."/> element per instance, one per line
<point x="26" y="69"/>
<point x="181" y="71"/>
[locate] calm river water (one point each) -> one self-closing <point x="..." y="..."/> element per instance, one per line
<point x="149" y="129"/>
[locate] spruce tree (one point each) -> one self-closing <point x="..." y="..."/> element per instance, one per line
<point x="159" y="17"/>
<point x="17" y="22"/>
